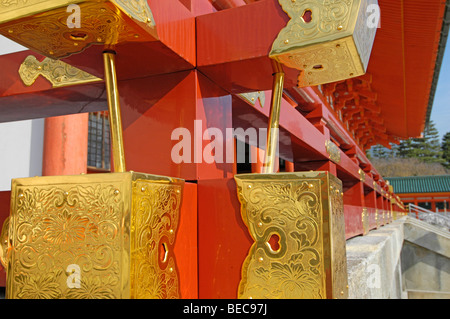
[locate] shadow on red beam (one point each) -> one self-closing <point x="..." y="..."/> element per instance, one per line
<point x="233" y="46"/>
<point x="300" y="140"/>
<point x="323" y="112"/>
<point x="40" y="99"/>
<point x="53" y="102"/>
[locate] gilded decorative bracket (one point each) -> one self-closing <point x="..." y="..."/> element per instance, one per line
<point x="328" y="40"/>
<point x="362" y="175"/>
<point x="365" y="220"/>
<point x="252" y="97"/>
<point x="334" y="153"/>
<point x="377" y="218"/>
<point x="58" y="73"/>
<point x="42" y="25"/>
<point x="297" y="222"/>
<point x="4" y="244"/>
<point x="94" y="236"/>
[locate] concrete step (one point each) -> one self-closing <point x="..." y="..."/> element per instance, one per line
<point x="422" y="294"/>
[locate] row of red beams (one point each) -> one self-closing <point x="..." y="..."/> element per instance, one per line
<point x="402" y="63"/>
<point x="357" y="103"/>
<point x="146" y="108"/>
<point x="234" y="57"/>
<point x="227" y="48"/>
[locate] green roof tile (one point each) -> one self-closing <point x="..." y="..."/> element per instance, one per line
<point x="420" y="184"/>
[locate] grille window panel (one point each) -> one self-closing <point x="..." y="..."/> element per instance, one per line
<point x="99" y="147"/>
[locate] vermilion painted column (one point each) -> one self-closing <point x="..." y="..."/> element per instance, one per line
<point x="290" y="167"/>
<point x="257" y="156"/>
<point x="65" y="145"/>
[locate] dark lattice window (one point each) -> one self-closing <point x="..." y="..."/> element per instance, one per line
<point x="99" y="147"/>
<point x="243" y="164"/>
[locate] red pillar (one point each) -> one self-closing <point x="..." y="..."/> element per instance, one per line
<point x="289" y="167"/>
<point x="258" y="156"/>
<point x="65" y="145"/>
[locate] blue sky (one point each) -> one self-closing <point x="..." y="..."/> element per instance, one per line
<point x="441" y="107"/>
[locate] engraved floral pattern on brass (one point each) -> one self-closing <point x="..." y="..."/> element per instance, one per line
<point x="153" y="269"/>
<point x="329" y="40"/>
<point x="58" y="73"/>
<point x="297" y="223"/>
<point x="42" y="25"/>
<point x="101" y="227"/>
<point x="4" y="244"/>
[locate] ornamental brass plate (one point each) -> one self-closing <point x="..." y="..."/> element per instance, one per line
<point x="55" y="30"/>
<point x="93" y="236"/>
<point x="329" y="41"/>
<point x="58" y="73"/>
<point x="365" y="221"/>
<point x="297" y="223"/>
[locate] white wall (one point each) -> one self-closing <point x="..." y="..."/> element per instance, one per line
<point x="9" y="46"/>
<point x="21" y="142"/>
<point x="21" y="148"/>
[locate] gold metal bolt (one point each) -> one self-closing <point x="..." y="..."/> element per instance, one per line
<point x="340" y="28"/>
<point x="10" y="31"/>
<point x="116" y="192"/>
<point x="286" y="41"/>
<point x="260" y="224"/>
<point x="260" y="259"/>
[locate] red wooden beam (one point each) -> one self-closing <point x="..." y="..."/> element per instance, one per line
<point x="233" y="46"/>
